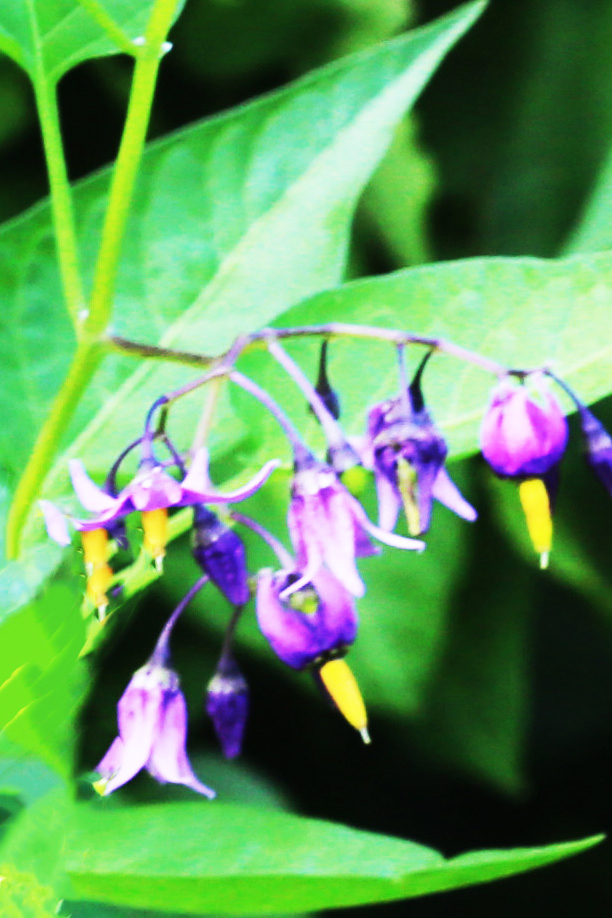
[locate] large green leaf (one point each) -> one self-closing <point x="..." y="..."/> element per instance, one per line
<point x="523" y="312"/>
<point x="234" y="220"/>
<point x="49" y="37"/>
<point x="39" y="677"/>
<point x="235" y="860"/>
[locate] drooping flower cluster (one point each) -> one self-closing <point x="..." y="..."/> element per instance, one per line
<point x="305" y="602"/>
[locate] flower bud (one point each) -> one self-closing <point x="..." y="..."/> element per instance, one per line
<point x="220" y="553"/>
<point x="227" y="704"/>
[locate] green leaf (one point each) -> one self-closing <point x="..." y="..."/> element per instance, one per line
<point x="234" y="220"/>
<point x="236" y="860"/>
<point x="593" y="232"/>
<point x="49" y="37"/>
<point x="39" y="684"/>
<point x="523" y="312"/>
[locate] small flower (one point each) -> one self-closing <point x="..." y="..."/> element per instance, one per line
<point x="151" y="489"/>
<point x="407" y="453"/>
<point x="220" y="553"/>
<point x="227" y="704"/>
<point x="329" y="526"/>
<point x="316" y="621"/>
<point x="152" y="718"/>
<point x="523" y="437"/>
<point x="313" y="628"/>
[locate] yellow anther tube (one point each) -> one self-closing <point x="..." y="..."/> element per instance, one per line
<point x="99" y="572"/>
<point x="155" y="526"/>
<point x="408" y="488"/>
<point x="342" y="686"/>
<point x="536" y="506"/>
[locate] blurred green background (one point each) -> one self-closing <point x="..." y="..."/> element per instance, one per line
<point x="498" y="732"/>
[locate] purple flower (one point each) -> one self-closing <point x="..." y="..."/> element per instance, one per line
<point x="313" y="628"/>
<point x="407" y="453"/>
<point x="316" y="622"/>
<point x="523" y="435"/>
<point x="220" y="553"/>
<point x="329" y="526"/>
<point x="227" y="704"/>
<point x="151" y="489"/>
<point x="152" y="718"/>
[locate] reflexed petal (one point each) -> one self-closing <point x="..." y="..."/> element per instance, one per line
<point x="390" y="538"/>
<point x="197" y="480"/>
<point x="247" y="490"/>
<point x="389" y="502"/>
<point x="56" y="522"/>
<point x="448" y="494"/>
<point x="168" y="761"/>
<point x="90" y="495"/>
<point x="111" y="763"/>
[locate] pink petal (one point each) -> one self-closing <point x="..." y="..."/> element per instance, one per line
<point x="197" y="479"/>
<point x="168" y="761"/>
<point x="390" y="538"/>
<point x="56" y="522"/>
<point x="91" y="496"/>
<point x="389" y="502"/>
<point x="447" y="492"/>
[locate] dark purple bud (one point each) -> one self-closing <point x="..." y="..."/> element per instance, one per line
<point x="220" y="553"/>
<point x="323" y="388"/>
<point x="311" y="625"/>
<point x="598" y="443"/>
<point x="524" y="432"/>
<point x="227" y="704"/>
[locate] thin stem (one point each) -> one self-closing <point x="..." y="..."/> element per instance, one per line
<point x="126" y="167"/>
<point x="299" y="447"/>
<point x="345" y="329"/>
<point x="136" y="349"/>
<point x="110" y="484"/>
<point x="403" y="379"/>
<point x="61" y="196"/>
<point x="568" y="391"/>
<point x="329" y="331"/>
<point x="330" y="426"/>
<point x="277" y="547"/>
<point x="207" y="416"/>
<point x="89" y="353"/>
<point x="228" y="640"/>
<point x="86" y="361"/>
<point x="112" y="29"/>
<point x="160" y="655"/>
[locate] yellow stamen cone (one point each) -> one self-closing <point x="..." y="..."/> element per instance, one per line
<point x="155" y="525"/>
<point x="95" y="548"/>
<point x="342" y="686"/>
<point x="98" y="581"/>
<point x="407" y="483"/>
<point x="536" y="506"/>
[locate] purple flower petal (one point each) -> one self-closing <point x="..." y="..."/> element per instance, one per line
<point x="197" y="480"/>
<point x="447" y="492"/>
<point x="153" y="489"/>
<point x="168" y="761"/>
<point x="90" y="495"/>
<point x="389" y="502"/>
<point x="390" y="538"/>
<point x="301" y="637"/>
<point x="56" y="522"/>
